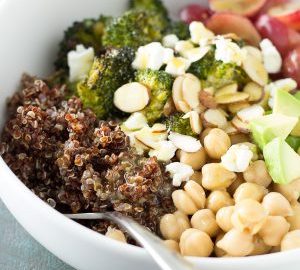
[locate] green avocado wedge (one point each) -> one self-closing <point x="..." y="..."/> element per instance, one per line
<point x="282" y="161"/>
<point x="265" y="128"/>
<point x="289" y="105"/>
<point x="294" y="142"/>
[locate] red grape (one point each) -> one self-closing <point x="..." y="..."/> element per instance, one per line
<point x="291" y="65"/>
<point x="195" y="12"/>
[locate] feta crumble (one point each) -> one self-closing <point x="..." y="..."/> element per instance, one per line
<point x="271" y="57"/>
<point x="186" y="143"/>
<point x="170" y="41"/>
<point x="177" y="66"/>
<point x="199" y="32"/>
<point x="152" y="56"/>
<point x="135" y="121"/>
<point x="180" y="172"/>
<point x="237" y="158"/>
<point x="80" y="62"/>
<point x="164" y="152"/>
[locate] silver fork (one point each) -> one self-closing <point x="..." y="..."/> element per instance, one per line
<point x="165" y="258"/>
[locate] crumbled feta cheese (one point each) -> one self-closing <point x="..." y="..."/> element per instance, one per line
<point x="177" y="66"/>
<point x="184" y="142"/>
<point x="139" y="147"/>
<point x="195" y="54"/>
<point x="287" y="84"/>
<point x="153" y="56"/>
<point x="135" y="121"/>
<point x="179" y="172"/>
<point x="250" y="113"/>
<point x="237" y="158"/>
<point x="164" y="152"/>
<point x="80" y="62"/>
<point x="271" y="57"/>
<point x="198" y="32"/>
<point x="228" y="51"/>
<point x="182" y="46"/>
<point x="170" y="41"/>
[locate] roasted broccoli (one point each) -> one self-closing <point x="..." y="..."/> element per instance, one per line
<point x="108" y="73"/>
<point x="180" y="125"/>
<point x="217" y="73"/>
<point x="150" y="5"/>
<point x="87" y="32"/>
<point x="133" y="29"/>
<point x="180" y="29"/>
<point x="160" y="84"/>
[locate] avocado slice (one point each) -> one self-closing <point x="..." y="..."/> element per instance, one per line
<point x="282" y="161"/>
<point x="265" y="128"/>
<point x="297" y="95"/>
<point x="294" y="142"/>
<point x="289" y="105"/>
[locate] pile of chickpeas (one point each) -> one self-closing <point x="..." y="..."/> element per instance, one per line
<point x="222" y="213"/>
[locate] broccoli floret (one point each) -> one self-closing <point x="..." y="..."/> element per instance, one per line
<point x="180" y="29"/>
<point x="180" y="125"/>
<point x="160" y="84"/>
<point x="222" y="74"/>
<point x="87" y="32"/>
<point x="202" y="67"/>
<point x="108" y="73"/>
<point x="135" y="28"/>
<point x="150" y="5"/>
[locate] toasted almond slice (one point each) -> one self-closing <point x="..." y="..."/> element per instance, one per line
<point x="240" y="125"/>
<point x="177" y="91"/>
<point x="159" y="128"/>
<point x="255" y="91"/>
<point x="253" y="52"/>
<point x="169" y="107"/>
<point x="207" y="99"/>
<point x="256" y="70"/>
<point x="191" y="88"/>
<point x="214" y="118"/>
<point x="226" y="90"/>
<point x="195" y="122"/>
<point x="185" y="143"/>
<point x="195" y="54"/>
<point x="183" y="106"/>
<point x="235" y="107"/>
<point x="131" y="97"/>
<point x="230" y="129"/>
<point x="232" y="98"/>
<point x="250" y="113"/>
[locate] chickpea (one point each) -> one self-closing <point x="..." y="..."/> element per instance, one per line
<point x="236" y="183"/>
<point x="205" y="221"/>
<point x="273" y="230"/>
<point x="172" y="245"/>
<point x="291" y="240"/>
<point x="115" y="234"/>
<point x="184" y="202"/>
<point x="250" y="191"/>
<point x="239" y="138"/>
<point x="259" y="246"/>
<point x="218" y="251"/>
<point x="196" y="192"/>
<point x="173" y="225"/>
<point x="236" y="243"/>
<point x="216" y="143"/>
<point x="223" y="218"/>
<point x="275" y="249"/>
<point x="197" y="177"/>
<point x="204" y="134"/>
<point x="195" y="160"/>
<point x="294" y="220"/>
<point x="257" y="173"/>
<point x="249" y="216"/>
<point x="218" y="199"/>
<point x="291" y="191"/>
<point x="215" y="176"/>
<point x="277" y="205"/>
<point x="194" y="242"/>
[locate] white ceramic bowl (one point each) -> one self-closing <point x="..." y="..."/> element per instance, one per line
<point x="30" y="31"/>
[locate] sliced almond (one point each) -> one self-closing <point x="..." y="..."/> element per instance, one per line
<point x="207" y="99"/>
<point x="150" y="138"/>
<point x="250" y="113"/>
<point x="177" y="91"/>
<point x="255" y="91"/>
<point x="145" y="140"/>
<point x="256" y="70"/>
<point x="226" y="90"/>
<point x="131" y="97"/>
<point x="185" y="143"/>
<point x="253" y="52"/>
<point x="240" y="125"/>
<point x="230" y="129"/>
<point x="235" y="107"/>
<point x="195" y="122"/>
<point x="183" y="106"/>
<point x="191" y="88"/>
<point x="232" y="98"/>
<point x="214" y="118"/>
<point x="159" y="128"/>
<point x="169" y="107"/>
